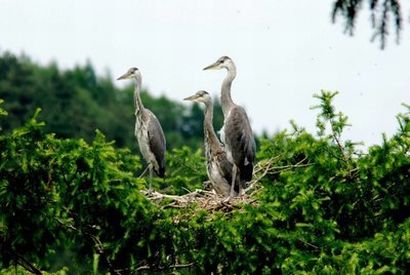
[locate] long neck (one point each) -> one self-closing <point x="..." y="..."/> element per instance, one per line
<point x="208" y="127"/>
<point x="137" y="95"/>
<point x="226" y="99"/>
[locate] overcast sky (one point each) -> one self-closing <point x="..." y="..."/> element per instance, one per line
<point x="285" y="51"/>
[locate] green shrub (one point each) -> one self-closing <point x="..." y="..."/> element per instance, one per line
<point x="320" y="206"/>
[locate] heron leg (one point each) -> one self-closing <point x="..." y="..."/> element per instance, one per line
<point x="143" y="172"/>
<point x="234" y="172"/>
<point x="150" y="179"/>
<point x="241" y="192"/>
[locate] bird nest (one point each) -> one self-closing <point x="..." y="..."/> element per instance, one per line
<point x="211" y="201"/>
<point x="207" y="200"/>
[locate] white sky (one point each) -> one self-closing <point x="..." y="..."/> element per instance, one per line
<point x="284" y="51"/>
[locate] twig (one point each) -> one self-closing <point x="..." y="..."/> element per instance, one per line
<point x="309" y="244"/>
<point x="252" y="184"/>
<point x="20" y="260"/>
<point x="152" y="268"/>
<point x="147" y="267"/>
<point x="274" y="170"/>
<point x="97" y="243"/>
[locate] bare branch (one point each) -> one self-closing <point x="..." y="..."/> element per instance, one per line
<point x="147" y="267"/>
<point x="20" y="260"/>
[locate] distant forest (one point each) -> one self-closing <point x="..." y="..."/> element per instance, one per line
<point x="77" y="101"/>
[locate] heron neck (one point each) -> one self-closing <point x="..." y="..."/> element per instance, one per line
<point x="137" y="95"/>
<point x="208" y="126"/>
<point x="226" y="99"/>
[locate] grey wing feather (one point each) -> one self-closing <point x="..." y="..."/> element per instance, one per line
<point x="240" y="140"/>
<point x="224" y="167"/>
<point x="157" y="143"/>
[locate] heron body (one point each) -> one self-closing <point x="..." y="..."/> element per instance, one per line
<point x="219" y="168"/>
<point x="236" y="133"/>
<point x="151" y="141"/>
<point x="240" y="145"/>
<point x="148" y="130"/>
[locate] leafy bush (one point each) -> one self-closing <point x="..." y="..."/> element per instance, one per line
<point x="320" y="206"/>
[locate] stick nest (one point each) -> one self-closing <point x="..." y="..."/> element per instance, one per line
<point x="211" y="201"/>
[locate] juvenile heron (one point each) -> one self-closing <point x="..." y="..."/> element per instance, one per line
<point x="218" y="166"/>
<point x="148" y="131"/>
<point x="236" y="132"/>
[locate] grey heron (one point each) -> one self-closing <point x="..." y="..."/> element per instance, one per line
<point x="236" y="133"/>
<point x="218" y="166"/>
<point x="148" y="130"/>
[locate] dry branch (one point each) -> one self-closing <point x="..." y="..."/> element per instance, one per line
<point x="20" y="260"/>
<point x="175" y="266"/>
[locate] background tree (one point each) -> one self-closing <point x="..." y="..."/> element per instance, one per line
<point x="382" y="13"/>
<point x="75" y="102"/>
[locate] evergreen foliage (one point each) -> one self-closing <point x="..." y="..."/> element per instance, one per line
<point x="69" y="206"/>
<point x="381" y="13"/>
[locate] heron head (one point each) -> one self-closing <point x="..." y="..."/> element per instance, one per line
<point x="223" y="62"/>
<point x="200" y="96"/>
<point x="131" y="73"/>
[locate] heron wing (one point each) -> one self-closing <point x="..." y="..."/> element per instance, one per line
<point x="239" y="139"/>
<point x="157" y="143"/>
<point x="224" y="166"/>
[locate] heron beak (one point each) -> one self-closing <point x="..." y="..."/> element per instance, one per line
<point x="213" y="66"/>
<point x="191" y="98"/>
<point x="124" y="76"/>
